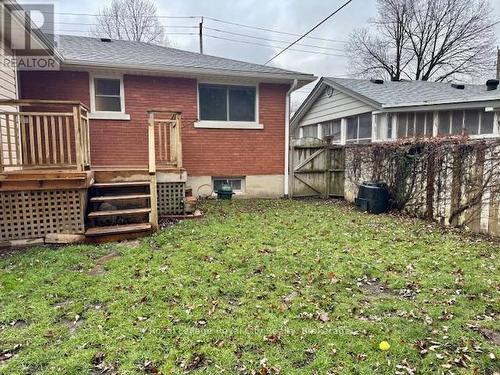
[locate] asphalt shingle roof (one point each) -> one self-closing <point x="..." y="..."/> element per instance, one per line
<point x="93" y="51"/>
<point x="403" y="93"/>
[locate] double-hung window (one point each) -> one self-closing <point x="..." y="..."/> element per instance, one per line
<point x="227" y="106"/>
<point x="107" y="98"/>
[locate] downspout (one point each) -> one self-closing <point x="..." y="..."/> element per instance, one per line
<point x="287" y="137"/>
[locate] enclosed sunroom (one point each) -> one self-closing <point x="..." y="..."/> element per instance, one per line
<point x="350" y="111"/>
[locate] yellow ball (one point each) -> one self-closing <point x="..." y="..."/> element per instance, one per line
<point x="384" y="345"/>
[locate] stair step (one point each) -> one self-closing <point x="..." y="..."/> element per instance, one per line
<point x="129" y="212"/>
<point x="119" y="197"/>
<point x="105" y="185"/>
<point x="118" y="229"/>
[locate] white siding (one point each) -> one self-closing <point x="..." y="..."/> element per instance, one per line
<point x="339" y="105"/>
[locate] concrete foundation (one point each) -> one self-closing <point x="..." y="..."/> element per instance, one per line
<point x="256" y="186"/>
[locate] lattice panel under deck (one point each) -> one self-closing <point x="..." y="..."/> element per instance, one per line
<point x="170" y="198"/>
<point x="33" y="214"/>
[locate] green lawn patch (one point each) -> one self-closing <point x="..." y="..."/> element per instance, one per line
<point x="258" y="286"/>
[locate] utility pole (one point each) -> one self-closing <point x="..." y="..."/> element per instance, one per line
<point x="201" y="36"/>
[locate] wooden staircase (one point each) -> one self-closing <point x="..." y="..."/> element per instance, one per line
<point x="119" y="210"/>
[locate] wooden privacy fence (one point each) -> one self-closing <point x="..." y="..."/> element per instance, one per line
<point x="318" y="168"/>
<point x="44" y="134"/>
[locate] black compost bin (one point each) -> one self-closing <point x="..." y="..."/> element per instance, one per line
<point x="373" y="197"/>
<point x="225" y="192"/>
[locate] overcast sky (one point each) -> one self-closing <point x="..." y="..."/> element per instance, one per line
<point x="295" y="16"/>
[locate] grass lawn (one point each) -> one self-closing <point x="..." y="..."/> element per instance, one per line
<point x="263" y="286"/>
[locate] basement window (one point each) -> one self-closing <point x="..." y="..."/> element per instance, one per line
<point x="237" y="184"/>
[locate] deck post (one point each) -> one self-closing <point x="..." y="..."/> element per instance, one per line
<point x="78" y="138"/>
<point x="152" y="171"/>
<point x="1" y="149"/>
<point x="178" y="125"/>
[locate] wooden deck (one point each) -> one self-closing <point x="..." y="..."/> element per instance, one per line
<point x="49" y="189"/>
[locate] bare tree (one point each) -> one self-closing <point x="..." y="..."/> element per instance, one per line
<point x="425" y="40"/>
<point x="130" y="20"/>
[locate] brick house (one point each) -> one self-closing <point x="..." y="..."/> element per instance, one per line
<point x="145" y="118"/>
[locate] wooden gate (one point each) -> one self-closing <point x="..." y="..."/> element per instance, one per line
<point x="318" y="168"/>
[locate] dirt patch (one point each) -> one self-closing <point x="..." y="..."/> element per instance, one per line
<point x="130" y="243"/>
<point x="373" y="288"/>
<point x="99" y="264"/>
<point x="19" y="324"/>
<point x="98" y="270"/>
<point x="73" y="325"/>
<point x="9" y="353"/>
<point x="493" y="336"/>
<point x="166" y="222"/>
<point x="60" y="305"/>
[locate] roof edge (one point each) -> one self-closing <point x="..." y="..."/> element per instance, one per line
<point x="194" y="71"/>
<point x="439" y="102"/>
<point x="354" y="94"/>
<point x="307" y="103"/>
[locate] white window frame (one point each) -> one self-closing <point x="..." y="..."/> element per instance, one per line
<point x="496" y="125"/>
<point x="330" y="124"/>
<point x="434" y="126"/>
<point x="238" y="191"/>
<point x="357" y="140"/>
<point x="107" y="115"/>
<point x="220" y="124"/>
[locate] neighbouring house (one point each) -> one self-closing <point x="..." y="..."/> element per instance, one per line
<point x="362" y="111"/>
<point x="352" y="130"/>
<point x="498" y="64"/>
<point x="114" y="137"/>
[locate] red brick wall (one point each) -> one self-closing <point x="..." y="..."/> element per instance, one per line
<point x="213" y="152"/>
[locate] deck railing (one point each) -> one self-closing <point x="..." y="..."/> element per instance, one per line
<point x="166" y="129"/>
<point x="36" y="134"/>
<point x="165" y="150"/>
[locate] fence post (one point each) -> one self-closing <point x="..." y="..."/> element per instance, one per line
<point x="152" y="171"/>
<point x="78" y="138"/>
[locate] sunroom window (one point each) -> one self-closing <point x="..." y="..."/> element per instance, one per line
<point x="359" y="128"/>
<point x="310" y="131"/>
<point x="469" y="121"/>
<point x="332" y="130"/>
<point x="227" y="103"/>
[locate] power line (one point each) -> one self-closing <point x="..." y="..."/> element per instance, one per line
<point x="310" y="31"/>
<point x="215" y="20"/>
<point x="272" y="31"/>
<point x="96" y="24"/>
<point x="271" y="46"/>
<point x="273" y="40"/>
<point x="210" y="28"/>
<point x="102" y="15"/>
<point x="87" y="31"/>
